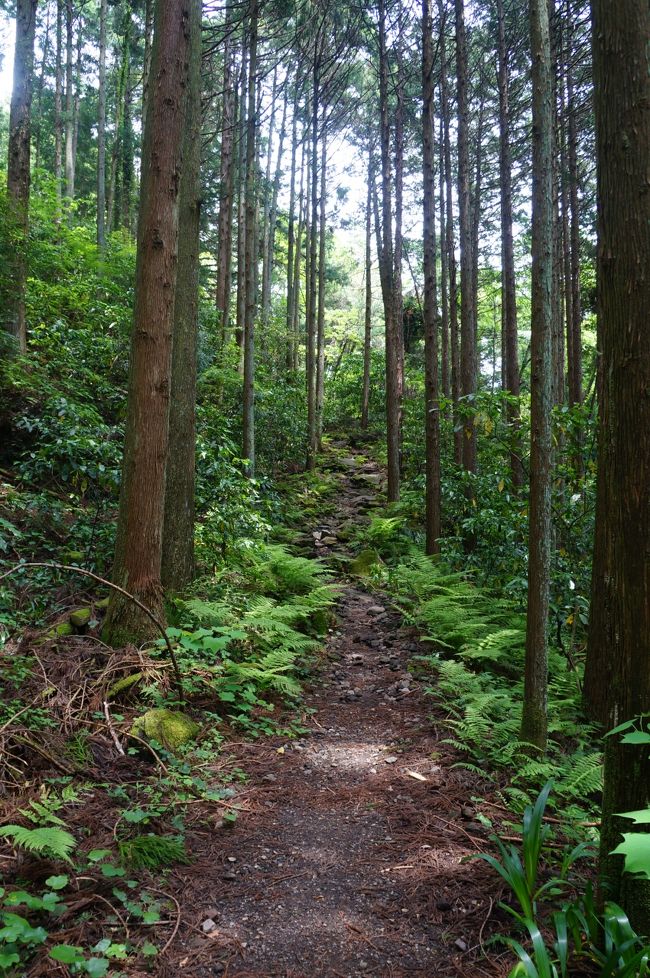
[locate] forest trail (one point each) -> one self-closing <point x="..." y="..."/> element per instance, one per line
<point x="346" y="860"/>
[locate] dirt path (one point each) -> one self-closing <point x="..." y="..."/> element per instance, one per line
<point x="348" y="860"/>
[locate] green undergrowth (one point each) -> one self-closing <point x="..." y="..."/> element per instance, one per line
<point x="475" y="642"/>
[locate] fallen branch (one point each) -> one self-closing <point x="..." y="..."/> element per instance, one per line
<point x="102" y="580"/>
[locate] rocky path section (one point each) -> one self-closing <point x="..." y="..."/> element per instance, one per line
<point x="348" y="861"/>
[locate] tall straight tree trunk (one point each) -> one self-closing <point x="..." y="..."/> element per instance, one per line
<point x="534" y="717"/>
<point x="266" y="210"/>
<point x="226" y="185"/>
<point x="291" y="230"/>
<point x="69" y="101"/>
<point x="320" y="331"/>
<point x="367" y="330"/>
<point x="468" y="350"/>
<point x="273" y="215"/>
<point x="398" y="254"/>
<point x="18" y="167"/>
<point x="387" y="267"/>
<point x="302" y="209"/>
<point x="241" y="207"/>
<point x="269" y="230"/>
<point x="313" y="269"/>
<point x="445" y="363"/>
<point x="430" y="310"/>
<point x="120" y="103"/>
<point x="101" y="129"/>
<point x="138" y="552"/>
<point x="617" y="678"/>
<point x="450" y="244"/>
<point x="58" y="108"/>
<point x="476" y="199"/>
<point x="250" y="308"/>
<point x="45" y="56"/>
<point x="575" y="373"/>
<point x="146" y="61"/>
<point x="77" y="95"/>
<point x="509" y="344"/>
<point x="178" y="528"/>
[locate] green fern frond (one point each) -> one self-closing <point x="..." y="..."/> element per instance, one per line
<point x="54" y="843"/>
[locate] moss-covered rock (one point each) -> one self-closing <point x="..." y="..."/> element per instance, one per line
<point x="168" y="727"/>
<point x="80" y="618"/>
<point x="60" y="631"/>
<point x="364" y="562"/>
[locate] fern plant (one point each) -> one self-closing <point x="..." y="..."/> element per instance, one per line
<point x="152" y="851"/>
<point x="54" y="843"/>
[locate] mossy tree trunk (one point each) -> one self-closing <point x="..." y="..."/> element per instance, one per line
<point x="617" y="679"/>
<point x="138" y="554"/>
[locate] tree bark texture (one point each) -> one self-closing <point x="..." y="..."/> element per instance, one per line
<point x="468" y="350"/>
<point x="367" y="329"/>
<point x="18" y="168"/>
<point x="101" y="128"/>
<point x="250" y="270"/>
<point x="178" y="528"/>
<point x="534" y="717"/>
<point x="140" y="519"/>
<point x="430" y="311"/>
<point x="510" y="341"/>
<point x="617" y="678"/>
<point x="387" y="273"/>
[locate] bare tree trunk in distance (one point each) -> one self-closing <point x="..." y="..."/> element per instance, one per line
<point x="138" y="552"/>
<point x="18" y="166"/>
<point x="291" y="231"/>
<point x="367" y="330"/>
<point x="101" y="129"/>
<point x="312" y="226"/>
<point x="69" y="102"/>
<point x="226" y="186"/>
<point x="450" y="245"/>
<point x="468" y="351"/>
<point x="177" y="568"/>
<point x="320" y="330"/>
<point x="617" y="679"/>
<point x="430" y="311"/>
<point x="250" y="309"/>
<point x="387" y="266"/>
<point x="509" y="345"/>
<point x="534" y="717"/>
<point x="58" y="108"/>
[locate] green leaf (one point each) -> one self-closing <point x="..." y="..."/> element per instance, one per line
<point x="621" y="727"/>
<point x="96" y="855"/>
<point x="635" y="847"/>
<point x="136" y="815"/>
<point x="66" y="953"/>
<point x="642" y="817"/>
<point x="57" y="882"/>
<point x="96" y="967"/>
<point x="149" y="950"/>
<point x="111" y="871"/>
<point x="636" y="737"/>
<point x="8" y="958"/>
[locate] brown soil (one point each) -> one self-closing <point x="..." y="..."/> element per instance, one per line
<point x="347" y="859"/>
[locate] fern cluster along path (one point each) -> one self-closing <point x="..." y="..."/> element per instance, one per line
<point x="347" y="857"/>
